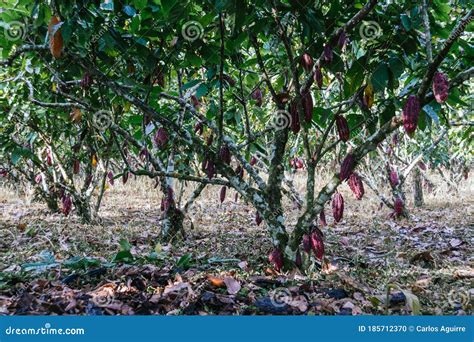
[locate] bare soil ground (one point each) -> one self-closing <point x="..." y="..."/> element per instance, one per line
<point x="50" y="264"/>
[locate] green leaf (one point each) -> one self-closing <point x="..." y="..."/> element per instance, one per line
<point x="406" y="22"/>
<point x="125" y="245"/>
<point x="123" y="256"/>
<point x="184" y="261"/>
<point x="380" y="77"/>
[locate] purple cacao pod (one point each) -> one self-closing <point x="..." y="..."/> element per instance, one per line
<point x="161" y="137"/>
<point x="224" y="154"/>
<point x="222" y="193"/>
<point x="307" y="243"/>
<point x="86" y="81"/>
<point x="295" y="118"/>
<point x="308" y="107"/>
<point x="393" y="178"/>
<point x="322" y="218"/>
<point x="410" y="114"/>
<point x="110" y="176"/>
<point x="318" y="77"/>
<point x="257" y="96"/>
<point x="328" y="55"/>
<point x="440" y="87"/>
<point x="346" y="167"/>
<point x="276" y="258"/>
<point x="356" y="185"/>
<point x="342" y="128"/>
<point x="317" y="244"/>
<point x="66" y="205"/>
<point x="307" y="62"/>
<point x="253" y="161"/>
<point x="398" y="207"/>
<point x="337" y="206"/>
<point x="342" y="40"/>
<point x="258" y="218"/>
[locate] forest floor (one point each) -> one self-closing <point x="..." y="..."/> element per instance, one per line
<point x="50" y="264"/>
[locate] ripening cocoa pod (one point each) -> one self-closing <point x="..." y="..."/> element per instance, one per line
<point x="225" y="155"/>
<point x="276" y="258"/>
<point x="125" y="177"/>
<point x="337" y="206"/>
<point x="346" y="167"/>
<point x="317" y="244"/>
<point x="76" y="166"/>
<point x="368" y="97"/>
<point x="307" y="62"/>
<point x="55" y="37"/>
<point x="398" y="207"/>
<point x="356" y="185"/>
<point x="318" y="77"/>
<point x="307" y="243"/>
<point x="110" y="177"/>
<point x="322" y="218"/>
<point x="195" y="102"/>
<point x="229" y="80"/>
<point x="295" y="118"/>
<point x="253" y="161"/>
<point x="342" y="40"/>
<point x="38" y="178"/>
<point x="422" y="165"/>
<point x="328" y="55"/>
<point x="342" y="128"/>
<point x="296" y="163"/>
<point x="210" y="169"/>
<point x="440" y="87"/>
<point x="298" y="259"/>
<point x="410" y="114"/>
<point x="86" y="81"/>
<point x="258" y="219"/>
<point x="308" y="107"/>
<point x="199" y="128"/>
<point x="66" y="205"/>
<point x="257" y="96"/>
<point x="161" y="137"/>
<point x="222" y="193"/>
<point x="393" y="178"/>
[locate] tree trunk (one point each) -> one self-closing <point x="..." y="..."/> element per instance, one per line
<point x="417" y="189"/>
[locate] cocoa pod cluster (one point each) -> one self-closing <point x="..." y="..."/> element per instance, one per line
<point x="410" y="114"/>
<point x="337" y="206"/>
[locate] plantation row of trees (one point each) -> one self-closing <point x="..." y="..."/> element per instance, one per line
<point x="235" y="94"/>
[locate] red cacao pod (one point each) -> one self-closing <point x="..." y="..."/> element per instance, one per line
<point x="299" y="259"/>
<point x="66" y="205"/>
<point x="322" y="218"/>
<point x="224" y="154"/>
<point x="307" y="62"/>
<point x="318" y="77"/>
<point x="440" y="87"/>
<point x="38" y="178"/>
<point x="253" y="161"/>
<point x="317" y="244"/>
<point x="222" y="193"/>
<point x="398" y="207"/>
<point x="422" y="165"/>
<point x="276" y="258"/>
<point x="410" y="114"/>
<point x="258" y="219"/>
<point x="110" y="176"/>
<point x="296" y="163"/>
<point x="356" y="185"/>
<point x="257" y="96"/>
<point x="394" y="178"/>
<point x="337" y="206"/>
<point x="295" y="118"/>
<point x="161" y="137"/>
<point x="307" y="243"/>
<point x="308" y="107"/>
<point x="346" y="167"/>
<point x="328" y="55"/>
<point x="195" y="102"/>
<point x="342" y="128"/>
